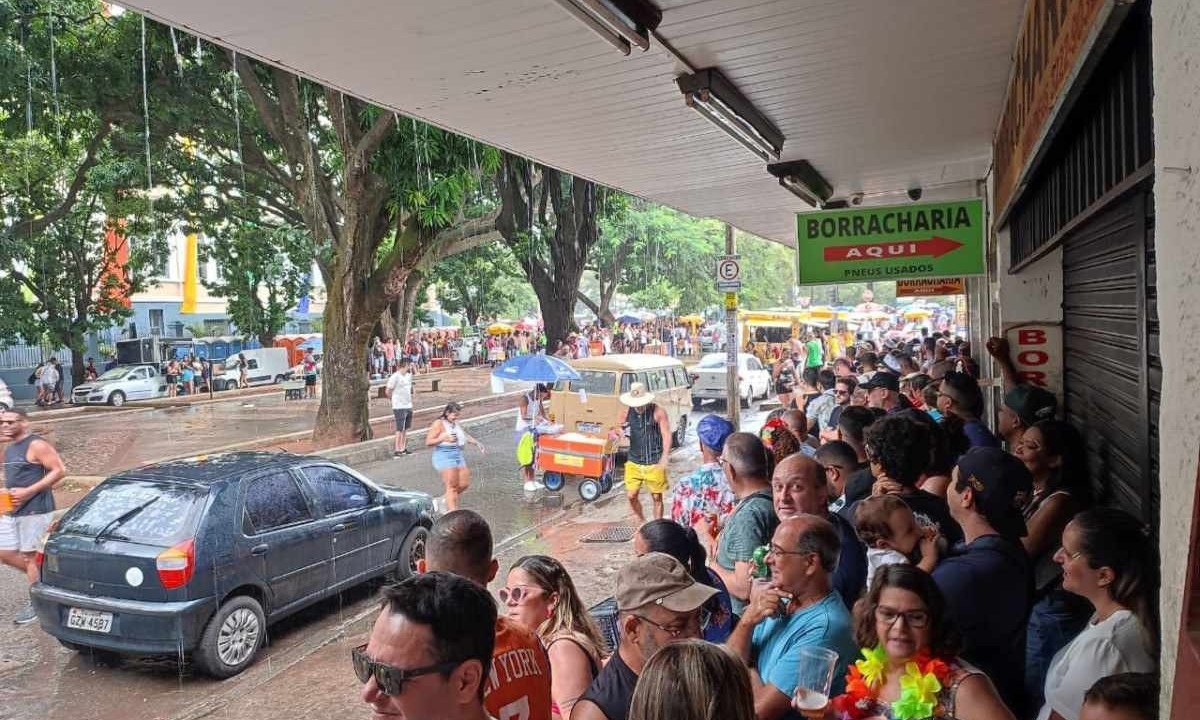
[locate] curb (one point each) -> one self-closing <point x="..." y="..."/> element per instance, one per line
<point x="266" y="442"/>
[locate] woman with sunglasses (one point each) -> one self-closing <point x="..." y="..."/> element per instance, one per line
<point x="447" y="438"/>
<point x="909" y="648"/>
<point x="1106" y="559"/>
<point x="541" y="596"/>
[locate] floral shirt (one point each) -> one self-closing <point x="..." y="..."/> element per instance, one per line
<point x="704" y="492"/>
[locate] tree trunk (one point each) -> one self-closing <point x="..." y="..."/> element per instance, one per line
<point x="344" y="416"/>
<point x="267" y="338"/>
<point x="387" y="323"/>
<point x="77" y="365"/>
<point x="408" y="302"/>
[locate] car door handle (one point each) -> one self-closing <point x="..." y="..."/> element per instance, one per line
<point x="259" y="549"/>
<point x="340" y="527"/>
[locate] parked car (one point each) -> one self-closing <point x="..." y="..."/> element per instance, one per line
<point x="122" y="383"/>
<point x="197" y="557"/>
<point x="264" y="366"/>
<point x="712" y="338"/>
<point x="709" y="379"/>
<point x="6" y="398"/>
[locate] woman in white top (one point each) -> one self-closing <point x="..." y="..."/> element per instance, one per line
<point x="1106" y="559"/>
<point x="447" y="439"/>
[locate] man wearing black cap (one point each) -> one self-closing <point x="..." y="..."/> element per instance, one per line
<point x="658" y="603"/>
<point x="883" y="391"/>
<point x="987" y="580"/>
<point x="1024" y="405"/>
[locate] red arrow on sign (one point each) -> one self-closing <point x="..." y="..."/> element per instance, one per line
<point x="933" y="247"/>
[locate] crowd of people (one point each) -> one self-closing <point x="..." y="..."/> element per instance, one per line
<point x="953" y="571"/>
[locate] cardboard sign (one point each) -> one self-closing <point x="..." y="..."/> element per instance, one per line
<point x="1037" y="351"/>
<point x="930" y="288"/>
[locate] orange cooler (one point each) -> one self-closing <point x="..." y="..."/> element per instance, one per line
<point x="573" y="454"/>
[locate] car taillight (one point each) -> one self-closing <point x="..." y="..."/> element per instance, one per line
<point x="694" y="377"/>
<point x="176" y="564"/>
<point x="39" y="557"/>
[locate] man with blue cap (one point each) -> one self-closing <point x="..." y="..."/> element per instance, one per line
<point x="704" y="499"/>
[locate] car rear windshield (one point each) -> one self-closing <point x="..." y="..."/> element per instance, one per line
<point x="167" y="520"/>
<point x="709" y="362"/>
<point x="594" y="382"/>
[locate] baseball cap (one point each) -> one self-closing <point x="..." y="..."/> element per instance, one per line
<point x="1031" y="403"/>
<point x="997" y="478"/>
<point x="712" y="431"/>
<point x="884" y="380"/>
<point x="659" y="579"/>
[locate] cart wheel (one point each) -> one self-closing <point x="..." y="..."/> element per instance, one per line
<point x="589" y="490"/>
<point x="606" y="482"/>
<point x="554" y="481"/>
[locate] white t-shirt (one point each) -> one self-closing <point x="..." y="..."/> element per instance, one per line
<point x="1105" y="648"/>
<point x="400" y="386"/>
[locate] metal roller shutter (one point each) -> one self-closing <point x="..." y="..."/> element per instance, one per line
<point x="1113" y="374"/>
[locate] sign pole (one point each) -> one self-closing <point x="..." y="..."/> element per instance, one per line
<point x="732" y="397"/>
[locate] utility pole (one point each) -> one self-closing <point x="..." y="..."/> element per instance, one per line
<point x="732" y="345"/>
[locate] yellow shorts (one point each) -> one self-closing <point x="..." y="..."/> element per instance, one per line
<point x="654" y="477"/>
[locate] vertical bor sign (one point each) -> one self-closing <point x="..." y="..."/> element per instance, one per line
<point x="897" y="242"/>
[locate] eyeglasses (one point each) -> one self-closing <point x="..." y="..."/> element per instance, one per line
<point x="841" y="392"/>
<point x="389" y="678"/>
<point x="701" y="621"/>
<point x="517" y="593"/>
<point x="913" y="618"/>
<point x="774" y="549"/>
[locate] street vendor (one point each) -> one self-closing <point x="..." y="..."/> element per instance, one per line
<point x="531" y="412"/>
<point x="649" y="444"/>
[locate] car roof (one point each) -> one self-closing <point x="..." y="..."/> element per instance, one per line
<point x="636" y="361"/>
<point x="206" y="470"/>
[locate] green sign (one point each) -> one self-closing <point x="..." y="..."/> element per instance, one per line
<point x="897" y="242"/>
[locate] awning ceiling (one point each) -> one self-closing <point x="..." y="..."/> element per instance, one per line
<point x="878" y="95"/>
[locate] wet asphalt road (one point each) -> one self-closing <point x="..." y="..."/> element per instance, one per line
<point x="40" y="679"/>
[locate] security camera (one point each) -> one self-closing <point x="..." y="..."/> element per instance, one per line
<point x="856" y="199"/>
<point x="914" y="194"/>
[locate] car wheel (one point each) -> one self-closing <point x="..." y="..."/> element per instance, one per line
<point x="680" y="435"/>
<point x="232" y="638"/>
<point x="278" y="379"/>
<point x="117" y="399"/>
<point x="745" y="401"/>
<point x="411" y="550"/>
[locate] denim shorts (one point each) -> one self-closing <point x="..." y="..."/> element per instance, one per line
<point x="445" y="458"/>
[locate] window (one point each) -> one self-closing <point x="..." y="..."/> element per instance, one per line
<point x="681" y="379"/>
<point x="168" y="512"/>
<point x="593" y="382"/>
<point x="755" y="364"/>
<point x="216" y="327"/>
<point x="335" y="490"/>
<point x="252" y="364"/>
<point x="628" y="379"/>
<point x="712" y="361"/>
<point x="139" y="374"/>
<point x="156" y="321"/>
<point x="658" y="380"/>
<point x="275" y="501"/>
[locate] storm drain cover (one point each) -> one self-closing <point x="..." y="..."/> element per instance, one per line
<point x="610" y="535"/>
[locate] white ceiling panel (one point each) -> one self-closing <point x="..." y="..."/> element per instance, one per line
<point x="879" y="95"/>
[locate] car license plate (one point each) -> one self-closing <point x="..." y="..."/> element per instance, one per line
<point x="90" y="620"/>
<point x="588" y="427"/>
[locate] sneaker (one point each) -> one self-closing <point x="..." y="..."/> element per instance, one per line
<point x="406" y="451"/>
<point x="398" y="453"/>
<point x="532" y="486"/>
<point x="26" y="616"/>
<point x="439" y="505"/>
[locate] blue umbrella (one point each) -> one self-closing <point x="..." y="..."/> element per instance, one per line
<point x="629" y="320"/>
<point x="535" y="368"/>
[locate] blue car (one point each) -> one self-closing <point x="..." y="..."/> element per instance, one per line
<point x="197" y="557"/>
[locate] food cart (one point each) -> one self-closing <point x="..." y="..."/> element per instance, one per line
<point x="591" y="457"/>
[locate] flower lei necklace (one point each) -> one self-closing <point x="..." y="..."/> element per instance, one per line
<point x="924" y="677"/>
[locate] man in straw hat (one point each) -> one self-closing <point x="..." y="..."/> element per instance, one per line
<point x="649" y="444"/>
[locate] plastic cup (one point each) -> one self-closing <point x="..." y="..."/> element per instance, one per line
<point x="6" y="502"/>
<point x="815" y="679"/>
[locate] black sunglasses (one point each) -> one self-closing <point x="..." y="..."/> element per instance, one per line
<point x="391" y="679"/>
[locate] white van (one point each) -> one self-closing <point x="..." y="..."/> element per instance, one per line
<point x="263" y="367"/>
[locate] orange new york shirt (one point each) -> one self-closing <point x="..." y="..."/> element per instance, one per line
<point x="518" y="686"/>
